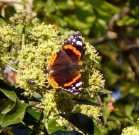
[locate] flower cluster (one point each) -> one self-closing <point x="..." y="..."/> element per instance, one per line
<point x="133" y="130"/>
<point x="9" y="41"/>
<point x="91" y="111"/>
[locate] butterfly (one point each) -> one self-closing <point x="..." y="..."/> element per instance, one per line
<point x="64" y="68"/>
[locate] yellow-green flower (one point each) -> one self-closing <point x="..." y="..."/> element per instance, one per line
<point x="133" y="130"/>
<point x="91" y="111"/>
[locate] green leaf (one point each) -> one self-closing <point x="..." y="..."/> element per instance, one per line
<point x="32" y="117"/>
<point x="60" y="132"/>
<point x="19" y="28"/>
<point x="2" y="21"/>
<point x="126" y="20"/>
<point x="64" y="5"/>
<point x="10" y="94"/>
<point x="1" y="117"/>
<point x="82" y="17"/>
<point x="104" y="6"/>
<point x="21" y="130"/>
<point x="106" y="91"/>
<point x="128" y="109"/>
<point x="37" y="96"/>
<point x="85" y="102"/>
<point x="16" y="115"/>
<point x="106" y="112"/>
<point x="53" y="126"/>
<point x="35" y="114"/>
<point x="6" y="106"/>
<point x="97" y="131"/>
<point x="99" y="27"/>
<point x="81" y="121"/>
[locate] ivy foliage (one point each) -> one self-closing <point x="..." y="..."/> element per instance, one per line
<point x="112" y="26"/>
<point x="27" y="46"/>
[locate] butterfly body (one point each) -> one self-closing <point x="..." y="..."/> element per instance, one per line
<point x="64" y="68"/>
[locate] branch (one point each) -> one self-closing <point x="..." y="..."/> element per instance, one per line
<point x="27" y="5"/>
<point x="109" y="36"/>
<point x="129" y="56"/>
<point x="11" y="1"/>
<point x="115" y="18"/>
<point x="130" y="47"/>
<point x="134" y="65"/>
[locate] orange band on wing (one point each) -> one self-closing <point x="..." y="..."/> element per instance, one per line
<point x="71" y="47"/>
<point x="53" y="82"/>
<point x="73" y="80"/>
<point x="51" y="62"/>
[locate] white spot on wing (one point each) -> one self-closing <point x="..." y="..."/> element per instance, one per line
<point x="79" y="43"/>
<point x="73" y="40"/>
<point x="73" y="88"/>
<point x="78" y="84"/>
<point x="80" y="37"/>
<point x="80" y="89"/>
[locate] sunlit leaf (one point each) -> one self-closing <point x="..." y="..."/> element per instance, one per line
<point x="16" y="115"/>
<point x="126" y="20"/>
<point x="9" y="93"/>
<point x="83" y="17"/>
<point x="32" y="116"/>
<point x="53" y="126"/>
<point x="97" y="131"/>
<point x="6" y="106"/>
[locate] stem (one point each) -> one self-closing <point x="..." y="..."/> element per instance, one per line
<point x="36" y="127"/>
<point x="23" y="40"/>
<point x="23" y="34"/>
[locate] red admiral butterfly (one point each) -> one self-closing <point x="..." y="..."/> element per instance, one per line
<point x="64" y="68"/>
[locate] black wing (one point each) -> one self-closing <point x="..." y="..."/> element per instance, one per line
<point x="61" y="71"/>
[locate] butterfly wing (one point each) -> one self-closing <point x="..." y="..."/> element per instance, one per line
<point x="73" y="46"/>
<point x="61" y="70"/>
<point x="75" y="85"/>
